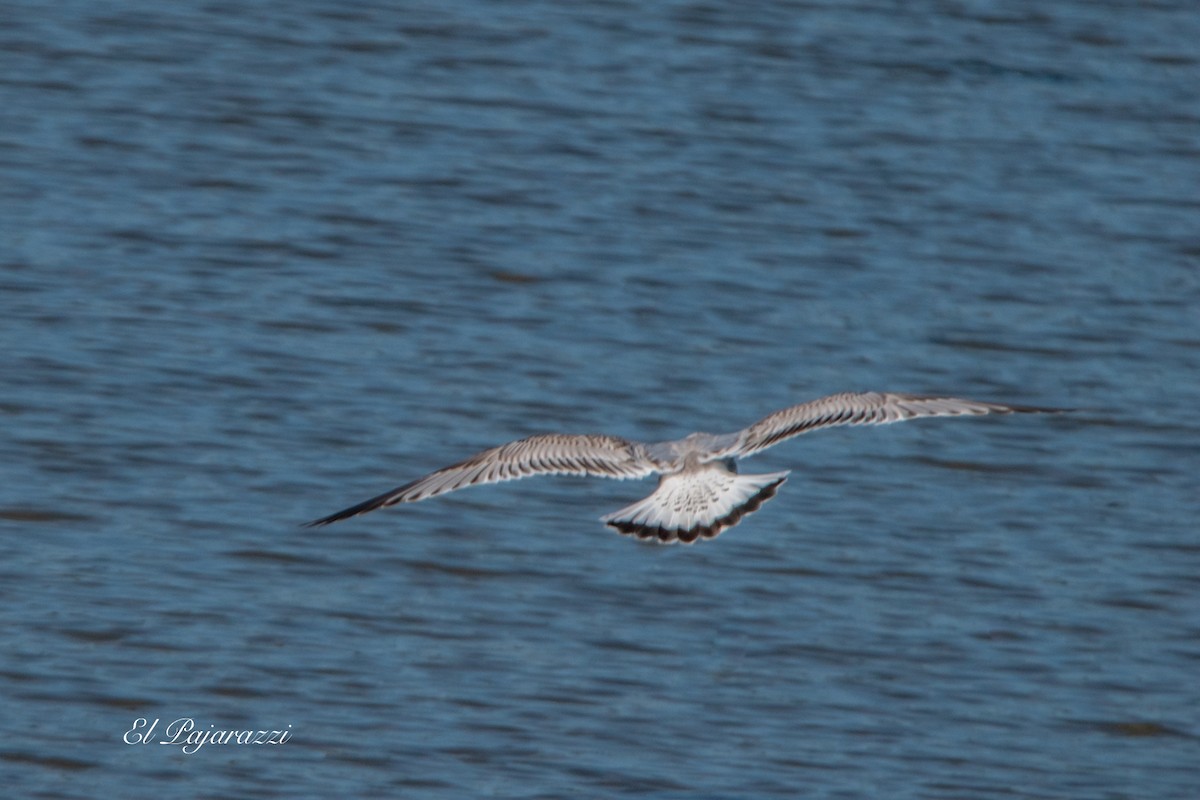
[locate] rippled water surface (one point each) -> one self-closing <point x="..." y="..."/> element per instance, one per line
<point x="259" y="262"/>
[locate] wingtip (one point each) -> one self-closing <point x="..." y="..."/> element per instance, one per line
<point x="1041" y="410"/>
<point x="345" y="513"/>
<point x="379" y="501"/>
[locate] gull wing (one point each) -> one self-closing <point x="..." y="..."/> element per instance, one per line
<point x="545" y="454"/>
<point x="862" y="408"/>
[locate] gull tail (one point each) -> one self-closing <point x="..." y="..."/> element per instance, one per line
<point x="696" y="504"/>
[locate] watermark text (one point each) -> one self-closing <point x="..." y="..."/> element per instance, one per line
<point x="185" y="734"/>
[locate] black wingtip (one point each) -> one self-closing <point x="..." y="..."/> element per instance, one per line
<point x="1041" y="410"/>
<point x="317" y="523"/>
<point x="352" y="511"/>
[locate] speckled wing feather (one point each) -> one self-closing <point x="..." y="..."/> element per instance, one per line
<point x="861" y="408"/>
<point x="546" y="454"/>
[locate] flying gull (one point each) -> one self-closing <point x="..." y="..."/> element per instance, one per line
<point x="700" y="492"/>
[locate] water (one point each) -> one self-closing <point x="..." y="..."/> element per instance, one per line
<point x="262" y="262"/>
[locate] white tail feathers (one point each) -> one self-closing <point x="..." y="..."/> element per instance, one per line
<point x="695" y="504"/>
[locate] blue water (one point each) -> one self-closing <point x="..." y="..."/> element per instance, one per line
<point x="259" y="262"/>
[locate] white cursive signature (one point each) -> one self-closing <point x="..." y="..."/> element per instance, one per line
<point x="184" y="734"/>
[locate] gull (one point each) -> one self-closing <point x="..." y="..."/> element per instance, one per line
<point x="700" y="492"/>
